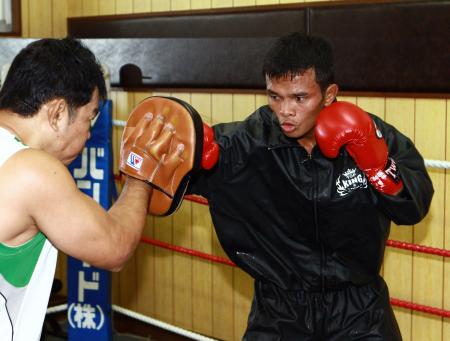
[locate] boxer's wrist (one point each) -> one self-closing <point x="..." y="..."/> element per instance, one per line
<point x="386" y="180"/>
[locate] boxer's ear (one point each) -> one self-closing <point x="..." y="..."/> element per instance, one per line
<point x="330" y="94"/>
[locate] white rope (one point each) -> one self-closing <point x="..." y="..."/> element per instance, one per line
<point x="437" y="164"/>
<point x="428" y="163"/>
<point x="143" y="318"/>
<point x="160" y="324"/>
<point x="119" y="123"/>
<point x="57" y="308"/>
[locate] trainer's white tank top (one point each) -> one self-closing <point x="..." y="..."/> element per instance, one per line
<point x="26" y="274"/>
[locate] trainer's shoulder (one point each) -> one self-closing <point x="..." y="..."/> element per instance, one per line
<point x="32" y="167"/>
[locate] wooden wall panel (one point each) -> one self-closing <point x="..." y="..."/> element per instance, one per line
<point x="145" y="275"/>
<point x="145" y="255"/>
<point x="351" y="99"/>
<point x="116" y="133"/>
<point x="243" y="105"/>
<point x="164" y="282"/>
<point x="160" y="5"/>
<point x="374" y="105"/>
<point x="180" y="5"/>
<point x="221" y="3"/>
<point x="290" y="1"/>
<point x="182" y="268"/>
<point x="182" y="264"/>
<point x="202" y="283"/>
<point x="152" y="282"/>
<point x="446" y="324"/>
<point x="25" y="17"/>
<point x="40" y="19"/>
<point x="398" y="263"/>
<point x="202" y="240"/>
<point x="142" y="6"/>
<point x="222" y="293"/>
<point x="200" y="4"/>
<point x="237" y="3"/>
<point x="75" y="8"/>
<point x="164" y="266"/>
<point x="90" y="7"/>
<point x="124" y="6"/>
<point x="59" y="18"/>
<point x="106" y="7"/>
<point x="125" y="102"/>
<point x="44" y="18"/>
<point x="428" y="269"/>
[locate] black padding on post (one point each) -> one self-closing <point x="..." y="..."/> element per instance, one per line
<point x="193" y="63"/>
<point x="384" y="46"/>
<point x="398" y="47"/>
<point x="238" y="24"/>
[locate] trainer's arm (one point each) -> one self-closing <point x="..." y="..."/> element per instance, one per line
<point x="73" y="221"/>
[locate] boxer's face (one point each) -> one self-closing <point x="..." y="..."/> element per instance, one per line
<point x="296" y="101"/>
<point x="76" y="130"/>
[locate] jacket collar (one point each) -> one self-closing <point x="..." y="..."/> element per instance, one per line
<point x="276" y="137"/>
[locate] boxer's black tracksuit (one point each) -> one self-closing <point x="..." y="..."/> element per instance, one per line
<point x="309" y="229"/>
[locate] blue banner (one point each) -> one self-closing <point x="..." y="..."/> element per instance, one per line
<point x="89" y="288"/>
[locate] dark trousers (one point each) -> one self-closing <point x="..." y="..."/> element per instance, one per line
<point x="352" y="313"/>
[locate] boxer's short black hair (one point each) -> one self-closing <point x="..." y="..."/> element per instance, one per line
<point x="47" y="69"/>
<point x="297" y="52"/>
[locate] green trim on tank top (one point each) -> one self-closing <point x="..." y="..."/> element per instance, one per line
<point x="17" y="263"/>
<point x="19" y="140"/>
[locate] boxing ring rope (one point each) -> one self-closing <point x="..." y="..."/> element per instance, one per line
<point x="437" y="164"/>
<point x="143" y="318"/>
<point x="160" y="324"/>
<point x="418" y="248"/>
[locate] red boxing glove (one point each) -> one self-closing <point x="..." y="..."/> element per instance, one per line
<point x="210" y="153"/>
<point x="343" y="123"/>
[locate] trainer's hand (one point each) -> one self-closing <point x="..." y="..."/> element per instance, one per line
<point x="162" y="144"/>
<point x="146" y="152"/>
<point x="343" y="123"/>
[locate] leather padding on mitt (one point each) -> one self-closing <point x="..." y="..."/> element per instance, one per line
<point x="162" y="144"/>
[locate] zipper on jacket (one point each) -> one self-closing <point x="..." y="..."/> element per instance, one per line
<point x="315" y="213"/>
<point x="316" y="222"/>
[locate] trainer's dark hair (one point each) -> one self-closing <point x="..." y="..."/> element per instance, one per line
<point x="48" y="69"/>
<point x="297" y="52"/>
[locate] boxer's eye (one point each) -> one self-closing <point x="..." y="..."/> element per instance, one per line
<point x="273" y="97"/>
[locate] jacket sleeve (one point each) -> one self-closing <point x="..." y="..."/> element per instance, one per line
<point x="205" y="181"/>
<point x="412" y="204"/>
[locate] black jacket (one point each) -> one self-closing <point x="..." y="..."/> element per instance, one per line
<point x="305" y="221"/>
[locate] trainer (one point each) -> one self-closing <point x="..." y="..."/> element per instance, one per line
<point x="48" y="102"/>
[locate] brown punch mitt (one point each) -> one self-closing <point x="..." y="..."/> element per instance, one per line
<point x="162" y="144"/>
